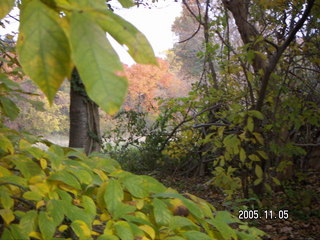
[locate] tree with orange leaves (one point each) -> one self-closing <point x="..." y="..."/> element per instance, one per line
<point x="147" y="82"/>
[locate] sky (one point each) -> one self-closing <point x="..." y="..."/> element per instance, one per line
<point x="154" y="23"/>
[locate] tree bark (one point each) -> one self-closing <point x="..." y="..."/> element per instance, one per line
<point x="84" y="118"/>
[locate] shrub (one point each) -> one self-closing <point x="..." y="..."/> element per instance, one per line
<point x="60" y="193"/>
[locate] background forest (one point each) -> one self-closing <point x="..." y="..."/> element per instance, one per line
<point x="232" y="115"/>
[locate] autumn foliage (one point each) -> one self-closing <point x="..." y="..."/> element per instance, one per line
<point x="147" y="82"/>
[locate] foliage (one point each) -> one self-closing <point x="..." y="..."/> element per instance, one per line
<point x="49" y="58"/>
<point x="61" y="193"/>
<point x="147" y="82"/>
<point x="255" y="111"/>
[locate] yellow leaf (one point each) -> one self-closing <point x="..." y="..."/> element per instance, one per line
<point x="140" y="204"/>
<point x="96" y="222"/>
<point x="43" y="163"/>
<point x="259" y="137"/>
<point x="242" y="155"/>
<point x="95" y="233"/>
<point x="83" y="227"/>
<point x="101" y="174"/>
<point x="7" y="215"/>
<point x="36" y="235"/>
<point x="4" y="172"/>
<point x="263" y="154"/>
<point x="36" y="179"/>
<point x="62" y="228"/>
<point x="40" y="204"/>
<point x="149" y="230"/>
<point x="104" y="217"/>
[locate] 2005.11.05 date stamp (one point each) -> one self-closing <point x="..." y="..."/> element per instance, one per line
<point x="266" y="214"/>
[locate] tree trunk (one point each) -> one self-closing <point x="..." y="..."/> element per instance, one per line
<point x="84" y="118"/>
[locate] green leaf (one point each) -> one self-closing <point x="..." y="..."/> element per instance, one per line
<point x="66" y="178"/>
<point x="127" y="34"/>
<point x="134" y="184"/>
<point x="46" y="225"/>
<point x="108" y="237"/>
<point x="225" y="230"/>
<point x="7" y="215"/>
<point x="263" y="154"/>
<point x="276" y="181"/>
<point x="27" y="166"/>
<point x="5" y="144"/>
<point x="254" y="158"/>
<point x="81" y="229"/>
<point x="257" y="181"/>
<point x="123" y="230"/>
<point x="258" y="171"/>
<point x="56" y="209"/>
<point x="256" y="114"/>
<point x="113" y="195"/>
<point x="9" y="108"/>
<point x="161" y="212"/>
<point x="175" y="238"/>
<point x="98" y="64"/>
<point x="126" y="3"/>
<point x="5" y="7"/>
<point x="182" y="222"/>
<point x="89" y="205"/>
<point x="259" y="137"/>
<point x="28" y="222"/>
<point x="192" y="207"/>
<point x="153" y="185"/>
<point x="250" y="124"/>
<point x="195" y="235"/>
<point x="242" y="155"/>
<point x="7" y="235"/>
<point x="5" y="198"/>
<point x="43" y="47"/>
<point x="75" y="213"/>
<point x="32" y="196"/>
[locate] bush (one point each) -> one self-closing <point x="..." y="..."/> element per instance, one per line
<point x="60" y="193"/>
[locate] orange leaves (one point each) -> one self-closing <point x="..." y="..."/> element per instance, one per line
<point x="147" y="82"/>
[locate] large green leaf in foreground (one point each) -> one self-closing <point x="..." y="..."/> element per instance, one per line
<point x="127" y="34"/>
<point x="5" y="7"/>
<point x="98" y="64"/>
<point x="43" y="47"/>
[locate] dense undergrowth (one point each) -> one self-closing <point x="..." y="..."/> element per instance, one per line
<point x="61" y="193"/>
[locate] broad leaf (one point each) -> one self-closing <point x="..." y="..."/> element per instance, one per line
<point x="46" y="225"/>
<point x="7" y="215"/>
<point x="258" y="170"/>
<point x="66" y="178"/>
<point x="5" y="144"/>
<point x="135" y="185"/>
<point x="113" y="195"/>
<point x="126" y="3"/>
<point x="28" y="222"/>
<point x="9" y="108"/>
<point x="127" y="34"/>
<point x="192" y="207"/>
<point x="195" y="235"/>
<point x="98" y="64"/>
<point x="161" y="212"/>
<point x="123" y="230"/>
<point x="43" y="47"/>
<point x="182" y="222"/>
<point x="5" y="7"/>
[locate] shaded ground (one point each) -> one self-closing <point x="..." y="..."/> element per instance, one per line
<point x="301" y="200"/>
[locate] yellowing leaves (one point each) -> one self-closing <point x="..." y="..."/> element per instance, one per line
<point x="43" y="47"/>
<point x="7" y="215"/>
<point x="5" y="7"/>
<point x="97" y="63"/>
